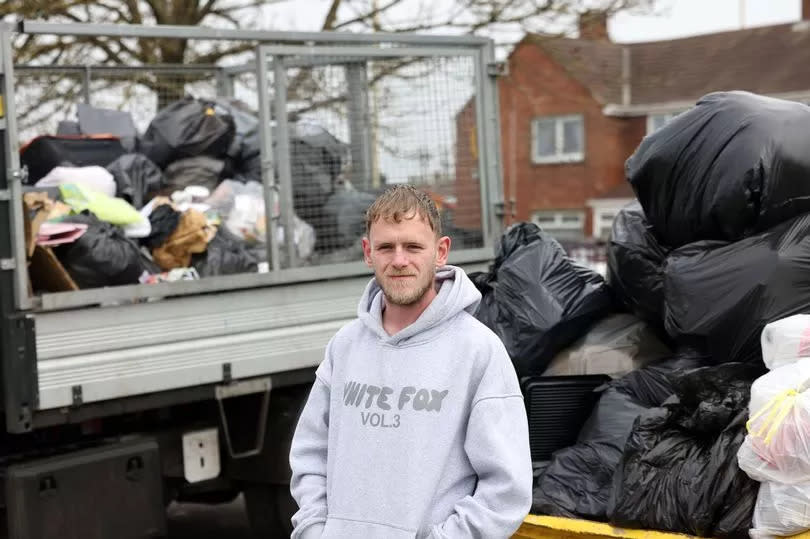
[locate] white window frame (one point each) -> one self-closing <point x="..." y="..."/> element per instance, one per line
<point x="558" y="156"/>
<point x="667" y="116"/>
<point x="559" y="223"/>
<point x="600" y="222"/>
<point x="602" y="207"/>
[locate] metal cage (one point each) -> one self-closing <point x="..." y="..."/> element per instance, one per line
<point x="334" y="119"/>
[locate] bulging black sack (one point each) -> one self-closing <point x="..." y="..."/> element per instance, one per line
<point x="188" y="128"/>
<point x="536" y="299"/>
<point x="735" y="164"/>
<point x="226" y="255"/>
<point x="636" y="265"/>
<point x="136" y="178"/>
<point x="679" y="469"/>
<point x="722" y="295"/>
<point x="103" y="255"/>
<point x="577" y="481"/>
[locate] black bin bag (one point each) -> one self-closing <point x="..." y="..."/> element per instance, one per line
<point x="187" y="128"/>
<point x="636" y="265"/>
<point x="244" y="153"/>
<point x="45" y="152"/>
<point x="103" y="255"/>
<point x="536" y="299"/>
<point x="723" y="294"/>
<point x="735" y="164"/>
<point x="136" y="178"/>
<point x="316" y="159"/>
<point x="577" y="481"/>
<point x="679" y="471"/>
<point x="226" y="255"/>
<point x="343" y="219"/>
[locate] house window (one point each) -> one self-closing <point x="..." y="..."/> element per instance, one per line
<point x="558" y="139"/>
<point x="657" y="121"/>
<point x="562" y="224"/>
<point x="603" y="223"/>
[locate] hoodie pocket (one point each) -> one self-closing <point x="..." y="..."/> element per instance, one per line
<point x="340" y="528"/>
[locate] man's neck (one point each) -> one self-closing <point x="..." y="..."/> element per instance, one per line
<point x="395" y="318"/>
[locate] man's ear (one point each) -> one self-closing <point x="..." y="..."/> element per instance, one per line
<point x="442" y="250"/>
<point x="367" y="251"/>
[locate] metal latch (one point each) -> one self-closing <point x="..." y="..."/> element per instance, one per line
<point x="498" y="69"/>
<point x="18" y="174"/>
<point x="78" y="398"/>
<point x="239" y="389"/>
<point x="8" y="264"/>
<point x="503" y="208"/>
<point x="5" y="194"/>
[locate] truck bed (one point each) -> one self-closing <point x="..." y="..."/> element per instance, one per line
<point x="115" y="352"/>
<point x="545" y="527"/>
<point x="101" y="353"/>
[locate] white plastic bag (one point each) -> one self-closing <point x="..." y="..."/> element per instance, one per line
<point x="614" y="346"/>
<point x="241" y="207"/>
<point x="756" y="468"/>
<point x="777" y="447"/>
<point x="303" y="235"/>
<point x="94" y="178"/>
<point x="246" y="218"/>
<point x="786" y="341"/>
<point x="781" y="510"/>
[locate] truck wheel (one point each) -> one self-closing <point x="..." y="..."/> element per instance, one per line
<point x="269" y="509"/>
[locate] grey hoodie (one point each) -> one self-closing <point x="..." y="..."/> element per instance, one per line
<point x="422" y="434"/>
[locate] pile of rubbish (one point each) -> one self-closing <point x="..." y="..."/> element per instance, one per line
<point x="106" y="205"/>
<point x="718" y="246"/>
<point x="706" y="286"/>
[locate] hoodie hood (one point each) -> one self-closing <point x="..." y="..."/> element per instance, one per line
<point x="456" y="293"/>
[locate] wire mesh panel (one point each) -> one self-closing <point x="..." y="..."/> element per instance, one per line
<point x="357" y="125"/>
<point x="243" y="167"/>
<point x="176" y="190"/>
<point x="49" y="95"/>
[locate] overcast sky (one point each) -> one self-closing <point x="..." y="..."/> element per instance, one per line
<point x="680" y="18"/>
<point x="673" y="18"/>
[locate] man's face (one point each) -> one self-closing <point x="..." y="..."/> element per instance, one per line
<point x="404" y="257"/>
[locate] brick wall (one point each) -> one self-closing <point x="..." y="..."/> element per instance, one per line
<point x="537" y="86"/>
<point x="467" y="185"/>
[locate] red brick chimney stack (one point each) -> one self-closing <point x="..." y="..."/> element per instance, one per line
<point x="593" y="25"/>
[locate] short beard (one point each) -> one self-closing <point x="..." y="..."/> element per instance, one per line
<point x="405" y="298"/>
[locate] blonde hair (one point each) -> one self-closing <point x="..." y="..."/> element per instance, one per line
<point x="404" y="202"/>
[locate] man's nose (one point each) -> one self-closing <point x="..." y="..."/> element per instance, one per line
<point x="400" y="257"/>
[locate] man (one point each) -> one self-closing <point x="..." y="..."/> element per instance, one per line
<point x="415" y="426"/>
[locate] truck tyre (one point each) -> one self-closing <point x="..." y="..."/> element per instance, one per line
<point x="269" y="509"/>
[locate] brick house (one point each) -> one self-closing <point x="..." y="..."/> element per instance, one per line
<point x="573" y="110"/>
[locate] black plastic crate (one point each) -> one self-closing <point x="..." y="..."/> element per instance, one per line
<point x="557" y="407"/>
<point x="114" y="491"/>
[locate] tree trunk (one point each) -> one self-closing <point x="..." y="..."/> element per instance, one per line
<point x="171" y="85"/>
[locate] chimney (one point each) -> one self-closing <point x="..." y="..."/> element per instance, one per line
<point x="593" y="24"/>
<point x="805" y="10"/>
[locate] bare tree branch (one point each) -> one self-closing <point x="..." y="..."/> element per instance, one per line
<point x="331" y="15"/>
<point x="308" y="86"/>
<point x="367" y="16"/>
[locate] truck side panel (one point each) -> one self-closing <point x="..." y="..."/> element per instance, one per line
<point x="97" y="354"/>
